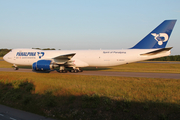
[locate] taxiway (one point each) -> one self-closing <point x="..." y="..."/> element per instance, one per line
<point x="108" y="73"/>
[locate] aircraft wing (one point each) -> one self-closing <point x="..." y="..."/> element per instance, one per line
<point x="62" y="59"/>
<point x="157" y="51"/>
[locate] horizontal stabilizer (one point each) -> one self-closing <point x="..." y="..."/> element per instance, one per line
<point x="157" y="51"/>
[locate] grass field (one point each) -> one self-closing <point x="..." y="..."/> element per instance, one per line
<point x="64" y="96"/>
<point x="70" y="97"/>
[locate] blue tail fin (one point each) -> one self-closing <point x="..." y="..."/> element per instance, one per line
<point x="158" y="38"/>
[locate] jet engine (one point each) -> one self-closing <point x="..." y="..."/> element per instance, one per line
<point x="43" y="65"/>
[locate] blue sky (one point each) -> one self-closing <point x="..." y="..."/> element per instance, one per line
<point x="84" y="24"/>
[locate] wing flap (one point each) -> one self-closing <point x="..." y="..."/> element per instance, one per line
<point x="157" y="51"/>
<point x="62" y="59"/>
<point x="66" y="56"/>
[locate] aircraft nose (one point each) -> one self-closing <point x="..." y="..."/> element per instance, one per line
<point x="5" y="57"/>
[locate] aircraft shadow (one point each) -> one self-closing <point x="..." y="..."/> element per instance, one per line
<point x="45" y="71"/>
<point x="95" y="69"/>
<point x="92" y="106"/>
<point x="85" y="68"/>
<point x="25" y="67"/>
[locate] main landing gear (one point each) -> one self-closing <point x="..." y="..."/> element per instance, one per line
<point x="73" y="70"/>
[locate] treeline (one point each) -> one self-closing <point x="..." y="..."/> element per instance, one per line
<point x="167" y="58"/>
<point x="45" y="48"/>
<point x="5" y="51"/>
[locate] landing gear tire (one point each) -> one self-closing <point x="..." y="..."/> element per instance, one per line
<point x="16" y="68"/>
<point x="74" y="71"/>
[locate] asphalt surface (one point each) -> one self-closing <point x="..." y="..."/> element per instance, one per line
<point x="107" y="73"/>
<point x="132" y="74"/>
<point x="7" y="113"/>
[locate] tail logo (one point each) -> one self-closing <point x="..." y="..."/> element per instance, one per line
<point x="161" y="37"/>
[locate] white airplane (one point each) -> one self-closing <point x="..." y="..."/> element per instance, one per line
<point x="151" y="46"/>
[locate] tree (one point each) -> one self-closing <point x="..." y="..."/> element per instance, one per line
<point x="4" y="51"/>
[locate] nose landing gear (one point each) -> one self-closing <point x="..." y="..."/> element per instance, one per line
<point x="15" y="67"/>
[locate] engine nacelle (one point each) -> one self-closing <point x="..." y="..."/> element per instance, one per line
<point x="43" y="65"/>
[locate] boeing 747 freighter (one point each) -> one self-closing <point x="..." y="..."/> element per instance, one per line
<point x="151" y="46"/>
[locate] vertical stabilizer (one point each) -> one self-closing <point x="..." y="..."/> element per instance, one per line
<point x="158" y="38"/>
